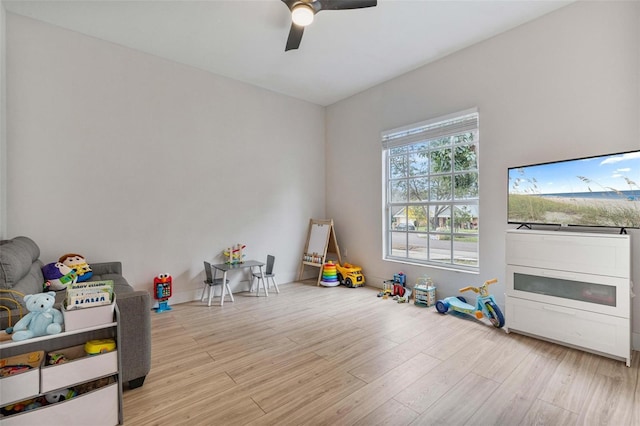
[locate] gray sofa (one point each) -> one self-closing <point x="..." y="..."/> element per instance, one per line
<point x="20" y="270"/>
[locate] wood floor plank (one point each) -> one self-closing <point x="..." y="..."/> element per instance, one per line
<point x="610" y="400"/>
<point x="391" y="413"/>
<point x="457" y="406"/>
<point x="315" y="355"/>
<point x="513" y="399"/>
<point x="362" y="402"/>
<point x="394" y="357"/>
<point x="571" y="381"/>
<point x="422" y="394"/>
<point x="511" y="349"/>
<point x="304" y="405"/>
<point x="543" y="413"/>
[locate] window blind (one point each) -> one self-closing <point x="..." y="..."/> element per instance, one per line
<point x="437" y="128"/>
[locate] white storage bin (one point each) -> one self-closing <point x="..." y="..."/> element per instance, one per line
<point x="75" y="319"/>
<point x="96" y="408"/>
<point x="80" y="368"/>
<point x="21" y="386"/>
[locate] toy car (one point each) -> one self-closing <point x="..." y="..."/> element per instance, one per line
<point x="350" y="275"/>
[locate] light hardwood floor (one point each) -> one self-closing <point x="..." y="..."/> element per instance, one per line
<point x="338" y="356"/>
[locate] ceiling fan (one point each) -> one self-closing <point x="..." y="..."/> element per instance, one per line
<point x="303" y="11"/>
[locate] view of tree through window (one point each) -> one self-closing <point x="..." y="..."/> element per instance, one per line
<point x="431" y="193"/>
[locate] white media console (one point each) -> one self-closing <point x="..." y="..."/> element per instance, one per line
<point x="571" y="288"/>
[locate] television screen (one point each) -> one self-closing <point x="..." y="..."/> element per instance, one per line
<point x="592" y="191"/>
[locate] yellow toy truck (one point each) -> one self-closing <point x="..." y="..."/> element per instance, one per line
<point x="350" y="275"/>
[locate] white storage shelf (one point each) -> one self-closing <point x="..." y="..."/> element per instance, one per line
<point x="102" y="406"/>
<point x="571" y="288"/>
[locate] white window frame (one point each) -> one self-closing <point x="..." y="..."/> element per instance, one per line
<point x="425" y="136"/>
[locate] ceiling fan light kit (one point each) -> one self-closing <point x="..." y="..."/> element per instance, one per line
<point x="303" y="12"/>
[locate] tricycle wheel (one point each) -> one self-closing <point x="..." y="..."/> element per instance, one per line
<point x="441" y="307"/>
<point x="495" y="314"/>
<point x="462" y="299"/>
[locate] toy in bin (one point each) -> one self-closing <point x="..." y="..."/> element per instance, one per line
<point x="162" y="287"/>
<point x="99" y="346"/>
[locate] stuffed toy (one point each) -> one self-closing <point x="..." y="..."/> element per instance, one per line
<point x="59" y="395"/>
<point x="58" y="276"/>
<point x="79" y="264"/>
<point x="42" y="318"/>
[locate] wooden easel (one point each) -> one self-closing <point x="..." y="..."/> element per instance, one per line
<point x="321" y="237"/>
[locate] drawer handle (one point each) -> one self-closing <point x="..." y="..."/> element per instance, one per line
<point x="559" y="310"/>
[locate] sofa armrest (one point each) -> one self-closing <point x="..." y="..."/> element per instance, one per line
<point x="105" y="268"/>
<point x="135" y="333"/>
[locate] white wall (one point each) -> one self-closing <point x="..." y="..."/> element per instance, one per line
<point x="3" y="128"/>
<point x="120" y="155"/>
<point x="563" y="86"/>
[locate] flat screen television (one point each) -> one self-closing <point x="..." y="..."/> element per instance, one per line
<point x="600" y="191"/>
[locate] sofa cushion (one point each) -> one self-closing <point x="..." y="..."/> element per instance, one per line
<point x="16" y="259"/>
<point x="120" y="284"/>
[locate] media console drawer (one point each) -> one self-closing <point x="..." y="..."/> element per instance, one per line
<point x="592" y="331"/>
<point x="599" y="254"/>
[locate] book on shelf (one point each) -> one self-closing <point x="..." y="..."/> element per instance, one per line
<point x="88" y="294"/>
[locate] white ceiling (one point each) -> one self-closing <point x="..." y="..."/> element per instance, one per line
<point x="341" y="54"/>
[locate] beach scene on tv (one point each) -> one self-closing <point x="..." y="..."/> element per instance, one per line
<point x="595" y="191"/>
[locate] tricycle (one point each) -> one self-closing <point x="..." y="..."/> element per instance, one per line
<point x="486" y="305"/>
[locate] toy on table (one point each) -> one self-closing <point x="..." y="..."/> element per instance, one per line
<point x="78" y="263"/>
<point x="350" y="275"/>
<point x="162" y="288"/>
<point x="424" y="292"/>
<point x="233" y="255"/>
<point x="329" y="275"/>
<point x="42" y="318"/>
<point x="485" y="304"/>
<point x="58" y="276"/>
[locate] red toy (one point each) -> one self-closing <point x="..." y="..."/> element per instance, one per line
<point x="162" y="286"/>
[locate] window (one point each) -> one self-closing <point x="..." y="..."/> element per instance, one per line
<point x="431" y="192"/>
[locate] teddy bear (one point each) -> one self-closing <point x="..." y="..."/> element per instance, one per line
<point x="58" y="276"/>
<point x="42" y="318"/>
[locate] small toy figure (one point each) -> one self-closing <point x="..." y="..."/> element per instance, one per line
<point x="162" y="285"/>
<point x="60" y="395"/>
<point x="58" y="276"/>
<point x="78" y="263"/>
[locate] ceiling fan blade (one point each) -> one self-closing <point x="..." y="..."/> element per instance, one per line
<point x="295" y="36"/>
<point x="345" y="4"/>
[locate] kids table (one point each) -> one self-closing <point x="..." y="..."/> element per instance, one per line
<point x="226" y="267"/>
